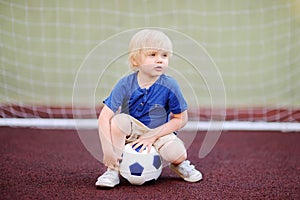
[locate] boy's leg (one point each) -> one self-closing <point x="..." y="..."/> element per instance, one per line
<point x="120" y="127"/>
<point x="172" y="149"/>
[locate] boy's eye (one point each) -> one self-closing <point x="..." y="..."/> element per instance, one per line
<point x="153" y="54"/>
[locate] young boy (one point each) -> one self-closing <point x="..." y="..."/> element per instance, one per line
<point x="152" y="108"/>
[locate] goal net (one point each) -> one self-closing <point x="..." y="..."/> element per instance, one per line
<point x="252" y="46"/>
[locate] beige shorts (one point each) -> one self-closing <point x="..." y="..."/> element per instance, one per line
<point x="138" y="129"/>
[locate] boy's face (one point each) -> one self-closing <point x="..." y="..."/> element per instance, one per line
<point x="154" y="62"/>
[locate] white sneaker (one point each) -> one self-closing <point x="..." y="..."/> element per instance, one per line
<point x="187" y="171"/>
<point x="109" y="179"/>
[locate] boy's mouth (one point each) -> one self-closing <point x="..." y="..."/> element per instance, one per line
<point x="159" y="68"/>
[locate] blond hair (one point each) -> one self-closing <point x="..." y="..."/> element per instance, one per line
<point x="145" y="40"/>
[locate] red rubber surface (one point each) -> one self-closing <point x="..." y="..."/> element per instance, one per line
<point x="53" y="164"/>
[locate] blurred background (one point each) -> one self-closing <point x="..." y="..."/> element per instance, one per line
<point x="254" y="45"/>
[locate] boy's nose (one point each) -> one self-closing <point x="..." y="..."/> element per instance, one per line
<point x="159" y="59"/>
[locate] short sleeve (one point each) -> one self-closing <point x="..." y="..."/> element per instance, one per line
<point x="116" y="97"/>
<point x="177" y="102"/>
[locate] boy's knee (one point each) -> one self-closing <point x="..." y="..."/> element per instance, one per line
<point x="122" y="123"/>
<point x="173" y="151"/>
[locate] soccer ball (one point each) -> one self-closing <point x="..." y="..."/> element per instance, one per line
<point x="139" y="168"/>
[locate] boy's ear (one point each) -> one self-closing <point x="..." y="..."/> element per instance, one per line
<point x="134" y="61"/>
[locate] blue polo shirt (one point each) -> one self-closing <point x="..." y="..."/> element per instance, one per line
<point x="151" y="106"/>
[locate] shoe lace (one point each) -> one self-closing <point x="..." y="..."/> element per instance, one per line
<point x="187" y="167"/>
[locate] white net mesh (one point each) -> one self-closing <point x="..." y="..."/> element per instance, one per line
<point x="255" y="45"/>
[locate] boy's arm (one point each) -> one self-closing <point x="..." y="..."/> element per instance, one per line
<point x="177" y="122"/>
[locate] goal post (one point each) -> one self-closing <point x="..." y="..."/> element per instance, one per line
<point x="254" y="45"/>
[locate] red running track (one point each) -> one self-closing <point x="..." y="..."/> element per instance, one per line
<point x="54" y="164"/>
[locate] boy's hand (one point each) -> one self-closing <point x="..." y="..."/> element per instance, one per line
<point x="145" y="141"/>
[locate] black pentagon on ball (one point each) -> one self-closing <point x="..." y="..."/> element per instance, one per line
<point x="136" y="169"/>
<point x="156" y="161"/>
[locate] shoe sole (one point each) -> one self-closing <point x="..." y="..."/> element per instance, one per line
<point x="106" y="186"/>
<point x="194" y="180"/>
<point x="102" y="187"/>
